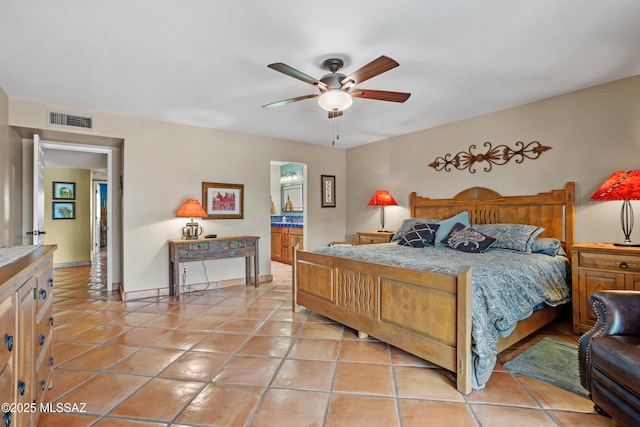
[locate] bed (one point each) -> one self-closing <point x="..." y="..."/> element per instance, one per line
<point x="427" y="313"/>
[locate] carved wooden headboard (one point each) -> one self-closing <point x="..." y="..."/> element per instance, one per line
<point x="553" y="210"/>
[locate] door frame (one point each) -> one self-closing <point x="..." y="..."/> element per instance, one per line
<point x="98" y="150"/>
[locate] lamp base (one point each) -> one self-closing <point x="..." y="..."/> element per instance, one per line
<point x="627" y="244"/>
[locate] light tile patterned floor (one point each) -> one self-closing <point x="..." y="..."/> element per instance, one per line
<point x="240" y="357"/>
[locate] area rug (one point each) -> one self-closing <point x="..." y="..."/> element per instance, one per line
<point x="552" y="361"/>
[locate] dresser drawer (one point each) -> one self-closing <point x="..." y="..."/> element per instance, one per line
<point x="44" y="369"/>
<point x="619" y="263"/>
<point x="7" y="330"/>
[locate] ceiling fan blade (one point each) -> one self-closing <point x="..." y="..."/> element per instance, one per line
<point x="334" y="114"/>
<point x="292" y="72"/>
<point x="381" y="95"/>
<point x="289" y="101"/>
<point x="372" y="69"/>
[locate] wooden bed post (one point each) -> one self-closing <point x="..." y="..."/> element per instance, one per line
<point x="463" y="346"/>
<point x="294" y="280"/>
<point x="569" y="214"/>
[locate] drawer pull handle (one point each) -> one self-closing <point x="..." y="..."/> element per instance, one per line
<point x="21" y="387"/>
<point x="8" y="340"/>
<point x="7" y="418"/>
<point x="43" y="293"/>
<point x="51" y="320"/>
<point x="624" y="265"/>
<point x="51" y="282"/>
<point x="51" y="360"/>
<point x="43" y="384"/>
<point x="41" y="339"/>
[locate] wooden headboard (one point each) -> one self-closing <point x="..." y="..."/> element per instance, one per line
<point x="553" y="210"/>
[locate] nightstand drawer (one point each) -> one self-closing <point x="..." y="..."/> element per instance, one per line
<point x="368" y="237"/>
<point x="600" y="261"/>
<point x="373" y="239"/>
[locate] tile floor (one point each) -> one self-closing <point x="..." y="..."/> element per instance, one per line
<point x="240" y="357"/>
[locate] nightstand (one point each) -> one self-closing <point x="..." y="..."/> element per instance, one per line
<point x="374" y="236"/>
<point x="596" y="267"/>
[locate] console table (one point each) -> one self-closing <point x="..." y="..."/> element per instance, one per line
<point x="182" y="250"/>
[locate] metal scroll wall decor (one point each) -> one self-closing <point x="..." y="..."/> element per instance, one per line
<point x="498" y="155"/>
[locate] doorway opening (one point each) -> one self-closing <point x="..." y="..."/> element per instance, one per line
<point x="97" y="163"/>
<point x="288" y="209"/>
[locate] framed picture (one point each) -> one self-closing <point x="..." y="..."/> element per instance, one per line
<point x="328" y="191"/>
<point x="64" y="210"/>
<point x="64" y="190"/>
<point x="223" y="201"/>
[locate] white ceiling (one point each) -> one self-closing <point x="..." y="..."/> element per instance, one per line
<point x="204" y="62"/>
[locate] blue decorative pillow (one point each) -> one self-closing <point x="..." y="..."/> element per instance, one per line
<point x="408" y="224"/>
<point x="517" y="237"/>
<point x="420" y="235"/>
<point x="447" y="224"/>
<point x="548" y="246"/>
<point x="466" y="239"/>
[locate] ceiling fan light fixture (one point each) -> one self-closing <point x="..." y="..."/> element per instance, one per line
<point x="335" y="100"/>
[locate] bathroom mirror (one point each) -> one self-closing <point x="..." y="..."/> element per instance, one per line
<point x="293" y="194"/>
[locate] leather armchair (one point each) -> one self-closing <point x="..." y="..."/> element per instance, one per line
<point x="609" y="356"/>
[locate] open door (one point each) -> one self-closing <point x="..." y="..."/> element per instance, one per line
<point x="38" y="192"/>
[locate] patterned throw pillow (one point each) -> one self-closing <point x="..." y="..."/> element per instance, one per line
<point x="466" y="239"/>
<point x="447" y="224"/>
<point x="419" y="235"/>
<point x="408" y="224"/>
<point x="517" y="237"/>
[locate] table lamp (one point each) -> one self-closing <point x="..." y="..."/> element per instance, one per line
<point x="382" y="198"/>
<point x="191" y="209"/>
<point x="625" y="186"/>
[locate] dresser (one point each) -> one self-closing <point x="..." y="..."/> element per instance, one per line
<point x="374" y="236"/>
<point x="596" y="267"/>
<point x="26" y="334"/>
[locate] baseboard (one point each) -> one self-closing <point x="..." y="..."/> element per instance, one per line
<point x="72" y="264"/>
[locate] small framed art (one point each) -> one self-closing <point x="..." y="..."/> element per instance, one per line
<point x="328" y="191"/>
<point x="64" y="190"/>
<point x="64" y="210"/>
<point x="223" y="201"/>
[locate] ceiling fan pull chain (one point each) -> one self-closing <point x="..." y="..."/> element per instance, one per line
<point x="333" y="133"/>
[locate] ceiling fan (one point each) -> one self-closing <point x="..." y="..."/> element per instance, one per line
<point x="336" y="89"/>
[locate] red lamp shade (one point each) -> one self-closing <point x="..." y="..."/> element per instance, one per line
<point x="382" y="198"/>
<point x="624" y="185"/>
<point x="191" y="209"/>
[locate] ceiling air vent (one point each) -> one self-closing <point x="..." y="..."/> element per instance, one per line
<point x="71" y="120"/>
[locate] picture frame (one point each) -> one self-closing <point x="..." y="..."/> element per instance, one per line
<point x="63" y="210"/>
<point x="328" y="191"/>
<point x="223" y="201"/>
<point x="64" y="190"/>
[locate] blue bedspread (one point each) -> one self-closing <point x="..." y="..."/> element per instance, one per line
<point x="506" y="286"/>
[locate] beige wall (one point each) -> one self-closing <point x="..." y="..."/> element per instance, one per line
<point x="73" y="236"/>
<point x="592" y="133"/>
<point x="166" y="163"/>
<point x="10" y="179"/>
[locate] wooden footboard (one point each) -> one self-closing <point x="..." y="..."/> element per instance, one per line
<point x="426" y="314"/>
